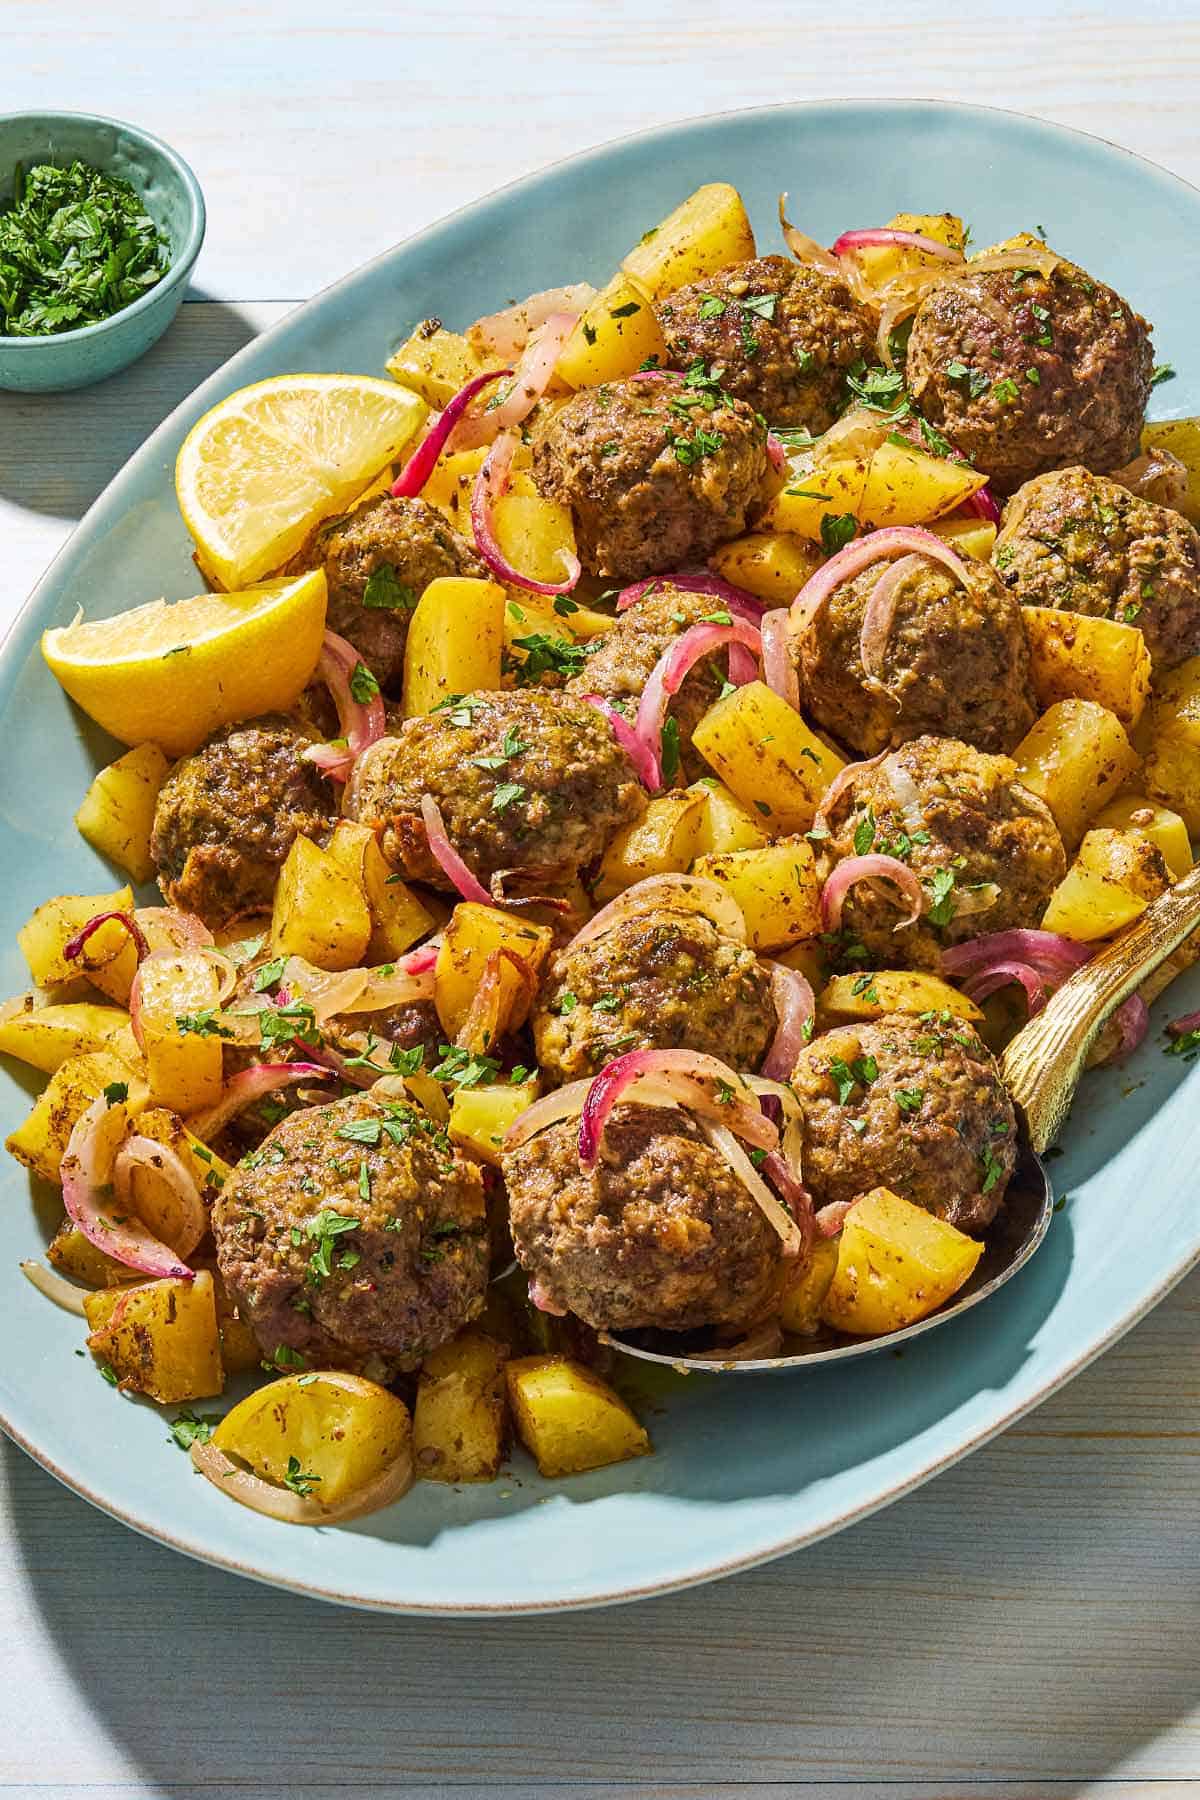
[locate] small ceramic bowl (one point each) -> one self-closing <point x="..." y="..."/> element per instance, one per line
<point x="71" y="359"/>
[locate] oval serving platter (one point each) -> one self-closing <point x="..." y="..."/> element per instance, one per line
<point x="744" y="1470"/>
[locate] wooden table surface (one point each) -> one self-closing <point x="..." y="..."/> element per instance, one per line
<point x="1026" y="1625"/>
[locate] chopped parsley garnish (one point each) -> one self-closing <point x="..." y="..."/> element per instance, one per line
<point x="363" y="685"/>
<point x="284" y="1357"/>
<point x="463" y="1069"/>
<point x="993" y="1169"/>
<point x="909" y="1099"/>
<point x="202" y="1024"/>
<point x="506" y="794"/>
<point x="1186" y="1045"/>
<point x="849" y="1075"/>
<point x="864" y="986"/>
<point x="837" y="530"/>
<point x="941" y="888"/>
<point x="1006" y="390"/>
<point x="361" y="1131"/>
<point x="269" y="974"/>
<point x="385" y="590"/>
<point x="761" y="305"/>
<point x="589" y="334"/>
<point x="807" y="494"/>
<point x="296" y="1023"/>
<point x="627" y="311"/>
<point x="710" y="307"/>
<point x="977" y="385"/>
<point x="188" y="1428"/>
<point x="567" y="1002"/>
<point x="297" y="1480"/>
<point x="670" y="749"/>
<point x="879" y="388"/>
<point x="109" y="1373"/>
<point x="864" y="833"/>
<point x="115" y="1092"/>
<point x="324" y="1230"/>
<point x="547" y="655"/>
<point x="1162" y="372"/>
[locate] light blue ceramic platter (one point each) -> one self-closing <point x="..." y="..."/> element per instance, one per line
<point x="747" y="1468"/>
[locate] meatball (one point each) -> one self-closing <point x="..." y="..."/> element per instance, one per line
<point x="1027" y="372"/>
<point x="621" y="665"/>
<point x="355" y="1237"/>
<point x="655" y="980"/>
<point x="779" y="334"/>
<point x="1080" y="542"/>
<point x="657" y="471"/>
<point x="914" y="1104"/>
<point x="954" y="663"/>
<point x="660" y="1233"/>
<point x="378" y="563"/>
<point x="530" y="780"/>
<point x="227" y="816"/>
<point x="986" y="851"/>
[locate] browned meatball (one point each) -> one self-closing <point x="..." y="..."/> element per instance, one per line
<point x="354" y="1237"/>
<point x="228" y="814"/>
<point x="911" y="1104"/>
<point x="657" y="470"/>
<point x="778" y="334"/>
<point x="624" y="659"/>
<point x="954" y="664"/>
<point x="986" y="851"/>
<point x="661" y="1232"/>
<point x="660" y="980"/>
<point x="1076" y="541"/>
<point x="1026" y="372"/>
<point x="378" y="563"/>
<point x="530" y="780"/>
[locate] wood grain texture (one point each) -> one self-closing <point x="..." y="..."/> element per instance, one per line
<point x="1025" y="1626"/>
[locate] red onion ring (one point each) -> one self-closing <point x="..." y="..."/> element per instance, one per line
<point x="1133" y="1021"/>
<point x="419" y="467"/>
<point x="689" y="1069"/>
<point x="672" y="669"/>
<point x="853" y="869"/>
<point x="776" y="454"/>
<point x="806" y="249"/>
<point x="795" y="1007"/>
<point x="490" y="485"/>
<point x="73" y="948"/>
<point x="831" y="1218"/>
<point x="1004" y="974"/>
<point x="844" y="779"/>
<point x="893" y="540"/>
<point x="779" y="669"/>
<point x="739" y="601"/>
<point x="532" y="374"/>
<point x="538" y="1297"/>
<point x="363" y="722"/>
<point x="879" y="615"/>
<point x="138" y="1152"/>
<point x="506" y="333"/>
<point x="889" y="236"/>
<point x="243" y="1089"/>
<point x="446" y="856"/>
<point x="644" y="762"/>
<point x="87" y="1191"/>
<point x="689" y="893"/>
<point x="1049" y="955"/>
<point x="1181" y="1026"/>
<point x="982" y="505"/>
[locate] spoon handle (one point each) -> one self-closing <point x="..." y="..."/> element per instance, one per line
<point x="1043" y="1063"/>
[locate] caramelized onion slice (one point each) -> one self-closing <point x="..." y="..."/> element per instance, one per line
<point x="248" y="1489"/>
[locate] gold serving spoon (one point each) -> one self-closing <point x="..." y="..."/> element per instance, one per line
<point x="1041" y="1068"/>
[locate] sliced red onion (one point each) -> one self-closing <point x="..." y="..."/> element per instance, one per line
<point x="290" y="1508"/>
<point x="645" y="763"/>
<point x="795" y="1007"/>
<point x="689" y="893"/>
<point x="138" y="1152"/>
<point x="419" y="467"/>
<point x="672" y="669"/>
<point x="869" y="868"/>
<point x="74" y="947"/>
<point x="806" y="249"/>
<point x="879" y="615"/>
<point x="831" y="1218"/>
<point x="778" y="1217"/>
<point x="247" y="1087"/>
<point x="887" y="236"/>
<point x="1181" y="1026"/>
<point x="446" y="856"/>
<point x="56" y="1287"/>
<point x="844" y="779"/>
<point x="743" y="664"/>
<point x="532" y="374"/>
<point x="893" y="540"/>
<point x="738" y="600"/>
<point x="540" y="1298"/>
<point x="362" y="722"/>
<point x="490" y="485"/>
<point x="1048" y="952"/>
<point x="1003" y="974"/>
<point x="982" y="505"/>
<point x="779" y="668"/>
<point x="776" y="454"/>
<point x="686" y="1069"/>
<point x="1133" y="1021"/>
<point x="87" y="1196"/>
<point x="506" y="333"/>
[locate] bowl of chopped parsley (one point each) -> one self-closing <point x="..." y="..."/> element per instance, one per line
<point x="100" y="226"/>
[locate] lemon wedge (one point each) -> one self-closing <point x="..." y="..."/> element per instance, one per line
<point x="261" y="470"/>
<point x="171" y="672"/>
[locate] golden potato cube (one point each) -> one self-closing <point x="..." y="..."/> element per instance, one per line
<point x="74" y="1255"/>
<point x="45" y="1036"/>
<point x="342" y="1431"/>
<point x="320" y="912"/>
<point x="762" y="749"/>
<point x="1075" y="657"/>
<point x="777" y="889"/>
<point x="968" y="535"/>
<point x="108" y="960"/>
<point x="907" y="486"/>
<point x="1177" y="704"/>
<point x="869" y="996"/>
<point x="536" y="536"/>
<point x="706" y="232"/>
<point x="772" y="565"/>
<point x="809" y="958"/>
<point x="812" y="494"/>
<point x="152" y="1193"/>
<point x="159" y="1338"/>
<point x="40" y="1142"/>
<point x="803" y="1298"/>
<point x="117" y="815"/>
<point x="180" y="1030"/>
<point x="454" y="642"/>
<point x="399" y="919"/>
<point x="1115" y="876"/>
<point x="1172" y="775"/>
<point x="568" y="1419"/>
<point x="461" y="1413"/>
<point x="896" y="1264"/>
<point x="882" y="263"/>
<point x="1157" y="824"/>
<point x="472" y="933"/>
<point x="434" y="363"/>
<point x="1075" y="758"/>
<point x="480" y="1116"/>
<point x="616" y="334"/>
<point x="449" y="486"/>
<point x="664" y="841"/>
<point x="1181" y="437"/>
<point x="725" y="823"/>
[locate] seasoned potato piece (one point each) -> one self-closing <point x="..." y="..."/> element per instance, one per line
<point x="179" y="996"/>
<point x="813" y="493"/>
<point x="777" y="889"/>
<point x="1075" y="758"/>
<point x="472" y="934"/>
<point x="154" y="1197"/>
<point x="1181" y="437"/>
<point x="434" y="363"/>
<point x="1172" y="775"/>
<point x="896" y="1264"/>
<point x="536" y="536"/>
<point x="117" y="815"/>
<point x="810" y="958"/>
<point x="45" y="1036"/>
<point x="449" y="486"/>
<point x="664" y="841"/>
<point x="568" y="1418"/>
<point x="706" y="232"/>
<point x="108" y="961"/>
<point x="399" y="919"/>
<point x="460" y="1417"/>
<point x="454" y="642"/>
<point x="328" y="1433"/>
<point x="800" y="1309"/>
<point x="868" y="996"/>
<point x="762" y="749"/>
<point x="480" y="1116"/>
<point x="615" y="336"/>
<point x="725" y="823"/>
<point x="241" y="1353"/>
<point x="769" y="564"/>
<point x="883" y="262"/>
<point x="1112" y="881"/>
<point x="159" y="1338"/>
<point x="968" y="535"/>
<point x="1073" y="657"/>
<point x="320" y="912"/>
<point x="1158" y="824"/>
<point x="907" y="486"/>
<point x="41" y="1141"/>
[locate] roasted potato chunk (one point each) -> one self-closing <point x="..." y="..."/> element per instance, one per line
<point x="325" y="1433"/>
<point x="896" y="1264"/>
<point x="1075" y="758"/>
<point x="45" y="1036"/>
<point x="568" y="1419"/>
<point x="1073" y="657"/>
<point x="454" y="642"/>
<point x="117" y="815"/>
<point x="320" y="912"/>
<point x="41" y="1141"/>
<point x="776" y="887"/>
<point x="765" y="753"/>
<point x="460" y="1417"/>
<point x="664" y="841"/>
<point x="706" y="232"/>
<point x="870" y="995"/>
<point x="159" y="1338"/>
